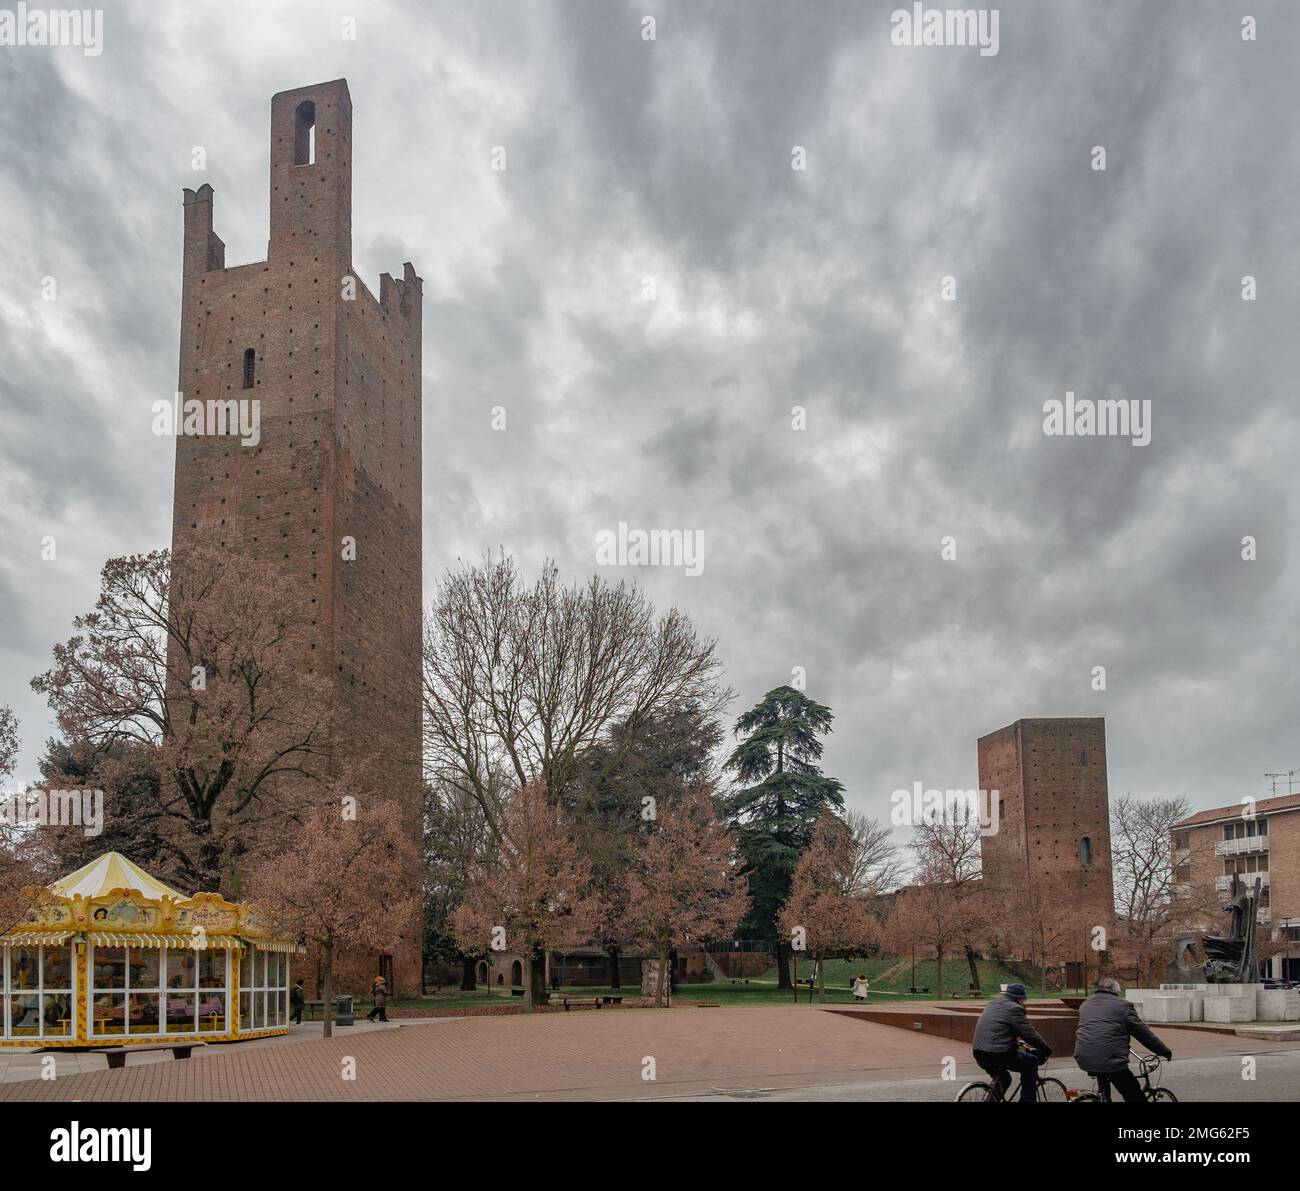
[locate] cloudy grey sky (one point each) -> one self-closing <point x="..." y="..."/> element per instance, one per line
<point x="775" y="288"/>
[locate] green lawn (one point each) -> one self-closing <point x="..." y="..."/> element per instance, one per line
<point x="890" y="979"/>
<point x="895" y="975"/>
<point x="448" y="998"/>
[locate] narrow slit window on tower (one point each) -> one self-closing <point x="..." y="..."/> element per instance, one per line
<point x="304" y="134"/>
<point x="250" y="366"/>
<point x="1085" y="851"/>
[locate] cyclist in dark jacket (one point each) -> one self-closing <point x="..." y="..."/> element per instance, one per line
<point x="1003" y="1023"/>
<point x="1101" y="1043"/>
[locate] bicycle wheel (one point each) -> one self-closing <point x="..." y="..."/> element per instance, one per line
<point x="1087" y="1098"/>
<point x="1163" y="1096"/>
<point x="976" y="1093"/>
<point x="1051" y="1091"/>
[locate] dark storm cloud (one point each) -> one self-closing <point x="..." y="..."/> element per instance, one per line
<point x="670" y="161"/>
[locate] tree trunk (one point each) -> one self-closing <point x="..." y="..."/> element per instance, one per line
<point x="783" y="965"/>
<point x="974" y="968"/>
<point x="468" y="981"/>
<point x="662" y="988"/>
<point x="327" y="1010"/>
<point x="821" y="977"/>
<point x="939" y="985"/>
<point x="612" y="958"/>
<point x="536" y="977"/>
<point x="782" y="948"/>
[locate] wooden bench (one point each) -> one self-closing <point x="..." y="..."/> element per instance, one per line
<point x="611" y="1000"/>
<point x="568" y="1002"/>
<point x="970" y="992"/>
<point x="918" y="990"/>
<point x="116" y="1055"/>
<point x="313" y="1009"/>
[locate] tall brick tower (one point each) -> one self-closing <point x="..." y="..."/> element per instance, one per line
<point x="1054" y="829"/>
<point x="337" y="377"/>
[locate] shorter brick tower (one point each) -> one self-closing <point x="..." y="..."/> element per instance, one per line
<point x="1054" y="812"/>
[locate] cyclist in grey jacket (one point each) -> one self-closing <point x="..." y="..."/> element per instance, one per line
<point x="1002" y="1025"/>
<point x="1101" y="1042"/>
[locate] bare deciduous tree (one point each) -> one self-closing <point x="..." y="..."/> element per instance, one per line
<point x="456" y="842"/>
<point x="932" y="919"/>
<point x="831" y="894"/>
<point x="201" y="663"/>
<point x="531" y="895"/>
<point x="8" y="740"/>
<point x="20" y="863"/>
<point x="948" y="854"/>
<point x="1152" y="903"/>
<point x="521" y="679"/>
<point x="877" y="865"/>
<point x="345" y="881"/>
<point x="685" y="885"/>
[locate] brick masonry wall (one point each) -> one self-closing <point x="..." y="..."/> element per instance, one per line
<point x="1284" y="865"/>
<point x="338" y="382"/>
<point x="1003" y="855"/>
<point x="1051" y="775"/>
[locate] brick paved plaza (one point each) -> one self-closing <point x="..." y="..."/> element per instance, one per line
<point x="583" y="1055"/>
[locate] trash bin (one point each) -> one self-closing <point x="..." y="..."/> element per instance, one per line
<point x="343" y="1011"/>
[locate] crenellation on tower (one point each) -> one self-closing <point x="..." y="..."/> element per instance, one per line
<point x="404" y="297"/>
<point x="204" y="249"/>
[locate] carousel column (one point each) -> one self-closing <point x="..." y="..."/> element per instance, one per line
<point x="81" y="974"/>
<point x="234" y="965"/>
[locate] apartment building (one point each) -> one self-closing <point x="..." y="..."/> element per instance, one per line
<point x="1254" y="839"/>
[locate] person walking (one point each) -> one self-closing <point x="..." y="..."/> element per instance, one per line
<point x="861" y="987"/>
<point x="379" y="995"/>
<point x="1101" y="1042"/>
<point x="297" y="1000"/>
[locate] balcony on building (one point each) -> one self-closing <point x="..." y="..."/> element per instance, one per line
<point x="1223" y="884"/>
<point x="1243" y="846"/>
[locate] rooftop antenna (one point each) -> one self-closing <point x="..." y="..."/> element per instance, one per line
<point x="1290" y="780"/>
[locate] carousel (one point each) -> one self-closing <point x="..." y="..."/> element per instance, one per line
<point x="109" y="955"/>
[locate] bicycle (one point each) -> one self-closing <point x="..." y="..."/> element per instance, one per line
<point x="1148" y="1065"/>
<point x="986" y="1091"/>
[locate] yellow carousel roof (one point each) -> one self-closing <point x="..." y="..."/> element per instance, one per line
<point x="112" y="871"/>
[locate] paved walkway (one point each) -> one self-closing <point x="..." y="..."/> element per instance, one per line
<point x="16" y="1065"/>
<point x="552" y="1056"/>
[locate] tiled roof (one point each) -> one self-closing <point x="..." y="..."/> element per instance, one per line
<point x="1264" y="806"/>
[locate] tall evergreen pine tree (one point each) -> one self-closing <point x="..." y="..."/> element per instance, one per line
<point x="774" y="813"/>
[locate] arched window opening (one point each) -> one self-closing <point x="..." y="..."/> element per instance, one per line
<point x="250" y="367"/>
<point x="516" y="973"/>
<point x="1085" y="851"/>
<point x="304" y="134"/>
